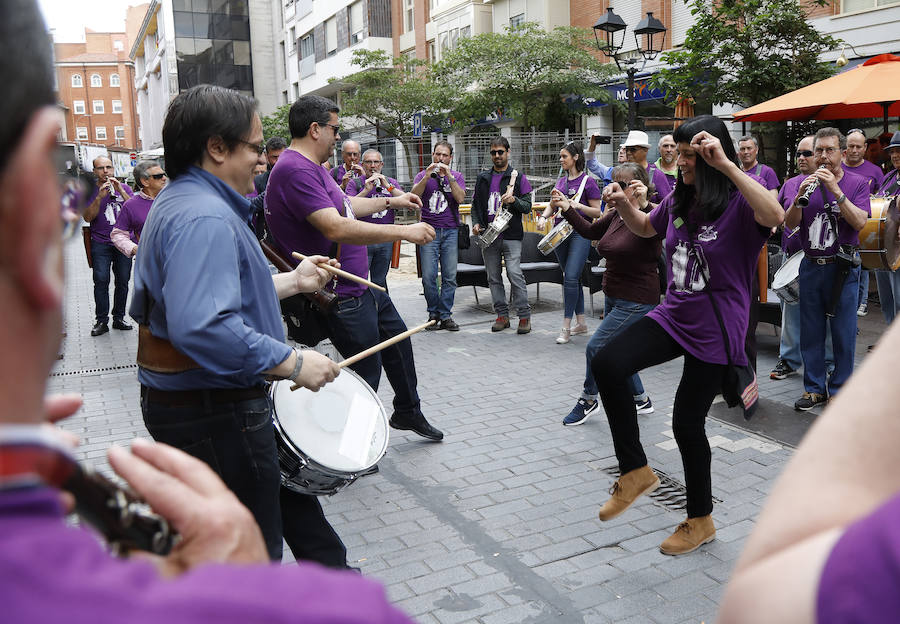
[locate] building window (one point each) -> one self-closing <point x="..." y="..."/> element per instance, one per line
<point x="849" y="6"/>
<point x="283" y="59"/>
<point x="100" y="133"/>
<point x="409" y="15"/>
<point x="293" y="41"/>
<point x="330" y="37"/>
<point x="96" y="81"/>
<point x="516" y="20"/>
<point x="98" y="107"/>
<point x="284" y="97"/>
<point x="120" y="132"/>
<point x="78" y="107"/>
<point x="81" y="133"/>
<point x="465" y="31"/>
<point x="431" y="50"/>
<point x="357" y="30"/>
<point x="307" y="46"/>
<point x="114" y="80"/>
<point x="117" y="106"/>
<point x="76" y="81"/>
<point x="296" y="87"/>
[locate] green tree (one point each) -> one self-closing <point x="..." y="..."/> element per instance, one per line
<point x="524" y="73"/>
<point x="387" y="93"/>
<point x="276" y="124"/>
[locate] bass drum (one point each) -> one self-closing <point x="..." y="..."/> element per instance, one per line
<point x="878" y="244"/>
<point x="327" y="439"/>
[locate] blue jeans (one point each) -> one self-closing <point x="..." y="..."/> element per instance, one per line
<point x="888" y="293"/>
<point x="863" y="287"/>
<point x="104" y="256"/>
<point x="357" y="323"/>
<point x="789" y="350"/>
<point x="379" y="262"/>
<point x="237" y="440"/>
<point x="511" y="252"/>
<point x="815" y="294"/>
<point x="572" y="253"/>
<point x="442" y="250"/>
<point x="619" y="314"/>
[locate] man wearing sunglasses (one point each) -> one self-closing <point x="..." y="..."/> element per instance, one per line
<point x="636" y="146"/>
<point x="150" y="180"/>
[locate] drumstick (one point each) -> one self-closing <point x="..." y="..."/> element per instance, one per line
<point x="342" y="273"/>
<point x="381" y="345"/>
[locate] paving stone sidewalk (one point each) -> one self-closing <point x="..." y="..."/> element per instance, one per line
<point x="499" y="522"/>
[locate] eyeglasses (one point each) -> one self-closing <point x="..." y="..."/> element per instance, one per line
<point x="372" y="162"/>
<point x="259" y="147"/>
<point x="634" y="148"/>
<point x="337" y="129"/>
<point x="826" y="150"/>
<point x="498" y="152"/>
<point x="158" y="176"/>
<point x="804" y="153"/>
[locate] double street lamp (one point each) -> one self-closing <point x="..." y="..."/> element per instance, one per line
<point x="649" y="37"/>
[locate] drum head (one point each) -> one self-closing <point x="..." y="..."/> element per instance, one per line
<point x="788" y="272"/>
<point x="342" y="426"/>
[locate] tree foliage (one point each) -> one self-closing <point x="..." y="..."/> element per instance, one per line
<point x="746" y="51"/>
<point x="276" y="124"/>
<point x="524" y="73"/>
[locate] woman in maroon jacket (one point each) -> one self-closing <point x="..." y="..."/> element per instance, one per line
<point x="630" y="283"/>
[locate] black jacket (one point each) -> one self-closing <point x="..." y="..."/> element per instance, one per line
<point x="522" y="205"/>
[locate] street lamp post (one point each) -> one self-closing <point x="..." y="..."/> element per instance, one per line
<point x="649" y="36"/>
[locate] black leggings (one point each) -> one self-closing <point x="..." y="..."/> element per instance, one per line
<point x="645" y="344"/>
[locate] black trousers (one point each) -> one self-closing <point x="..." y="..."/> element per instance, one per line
<point x="639" y="346"/>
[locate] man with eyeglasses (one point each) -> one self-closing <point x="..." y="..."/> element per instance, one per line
<point x="492" y="194"/>
<point x="442" y="190"/>
<point x="748" y="150"/>
<point x="829" y="273"/>
<point x="106" y="202"/>
<point x="350" y="168"/>
<point x="308" y="212"/>
<point x="636" y="146"/>
<point x="150" y="180"/>
<point x="375" y="184"/>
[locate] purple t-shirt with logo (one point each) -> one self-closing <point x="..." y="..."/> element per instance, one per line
<point x="819" y="218"/>
<point x="495" y="193"/>
<point x="790" y="239"/>
<point x="569" y="188"/>
<point x="133" y="215"/>
<point x="297" y="188"/>
<point x="110" y="207"/>
<point x="730" y="246"/>
<point x="872" y="173"/>
<point x="382" y="216"/>
<point x="768" y="175"/>
<point x="661" y="181"/>
<point x="438" y="205"/>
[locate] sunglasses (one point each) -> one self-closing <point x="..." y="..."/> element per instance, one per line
<point x="852" y="130"/>
<point x="337" y="129"/>
<point x="804" y="153"/>
<point x="157" y="176"/>
<point x="498" y="152"/>
<point x="259" y="147"/>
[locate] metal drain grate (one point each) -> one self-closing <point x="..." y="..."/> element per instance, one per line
<point x="93" y="371"/>
<point x="671" y="493"/>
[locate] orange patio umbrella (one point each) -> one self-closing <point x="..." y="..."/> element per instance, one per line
<point x="868" y="90"/>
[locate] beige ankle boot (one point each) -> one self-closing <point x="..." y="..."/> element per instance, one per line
<point x="627" y="489"/>
<point x="689" y="536"/>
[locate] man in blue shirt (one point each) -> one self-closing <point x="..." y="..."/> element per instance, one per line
<point x="211" y="329"/>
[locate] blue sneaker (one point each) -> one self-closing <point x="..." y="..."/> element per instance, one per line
<point x="644" y="407"/>
<point x="581" y="412"/>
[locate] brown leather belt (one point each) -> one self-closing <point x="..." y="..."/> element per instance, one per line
<point x="820" y="260"/>
<point x="159" y="355"/>
<point x="191" y="398"/>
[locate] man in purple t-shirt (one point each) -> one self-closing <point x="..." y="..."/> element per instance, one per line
<point x="636" y="147"/>
<point x="106" y="202"/>
<point x="308" y="212"/>
<point x="375" y="184"/>
<point x="829" y="274"/>
<point x="350" y="169"/>
<point x="441" y="189"/>
<point x="748" y="150"/>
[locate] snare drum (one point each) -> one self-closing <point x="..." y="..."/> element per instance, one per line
<point x="878" y="238"/>
<point x="497" y="226"/>
<point x="326" y="439"/>
<point x="786" y="282"/>
<point x="560" y="232"/>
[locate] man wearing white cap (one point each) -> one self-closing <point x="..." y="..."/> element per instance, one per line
<point x="636" y="147"/>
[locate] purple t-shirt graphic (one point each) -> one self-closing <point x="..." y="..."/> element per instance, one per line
<point x="569" y="188"/>
<point x="110" y="207"/>
<point x="438" y="204"/>
<point x="495" y="193"/>
<point x="729" y="246"/>
<point x="822" y="215"/>
<point x="790" y="239"/>
<point x="297" y="188"/>
<point x="355" y="185"/>
<point x="872" y="173"/>
<point x="133" y="215"/>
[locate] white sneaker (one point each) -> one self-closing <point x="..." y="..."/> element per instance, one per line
<point x="564" y="335"/>
<point x="579" y="329"/>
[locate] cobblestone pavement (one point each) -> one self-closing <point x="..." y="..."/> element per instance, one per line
<point x="499" y="522"/>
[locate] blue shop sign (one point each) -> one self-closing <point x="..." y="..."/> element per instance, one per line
<point x="643" y="92"/>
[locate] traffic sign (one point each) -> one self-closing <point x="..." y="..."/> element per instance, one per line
<point x="417" y="125"/>
<point x="133" y="155"/>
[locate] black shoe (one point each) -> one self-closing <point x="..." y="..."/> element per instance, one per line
<point x="99" y="329"/>
<point x="421" y="426"/>
<point x="809" y="400"/>
<point x="449" y="324"/>
<point x="782" y="370"/>
<point x="436" y="326"/>
<point x="120" y="324"/>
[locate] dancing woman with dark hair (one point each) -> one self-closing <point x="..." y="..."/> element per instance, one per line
<point x="717" y="220"/>
<point x="578" y="189"/>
